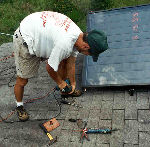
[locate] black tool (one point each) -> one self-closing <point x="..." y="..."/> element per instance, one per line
<point x="131" y="91"/>
<point x="72" y="120"/>
<point x="67" y="89"/>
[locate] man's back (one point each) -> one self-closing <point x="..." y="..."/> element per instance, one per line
<point x="43" y="30"/>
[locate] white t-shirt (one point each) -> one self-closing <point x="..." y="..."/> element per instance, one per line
<point x="50" y="35"/>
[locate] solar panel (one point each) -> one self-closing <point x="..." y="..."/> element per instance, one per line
<point x="127" y="61"/>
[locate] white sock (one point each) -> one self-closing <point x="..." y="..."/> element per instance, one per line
<point x="19" y="104"/>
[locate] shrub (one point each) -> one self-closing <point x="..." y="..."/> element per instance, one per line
<point x="101" y="4"/>
<point x="68" y="8"/>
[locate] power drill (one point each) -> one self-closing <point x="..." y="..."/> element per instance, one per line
<point x="67" y="89"/>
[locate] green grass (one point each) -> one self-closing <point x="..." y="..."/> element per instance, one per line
<point x="13" y="11"/>
<point x="125" y="3"/>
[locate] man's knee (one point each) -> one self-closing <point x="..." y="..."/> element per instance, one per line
<point x="21" y="81"/>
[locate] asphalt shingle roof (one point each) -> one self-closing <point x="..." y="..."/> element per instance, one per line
<point x="101" y="108"/>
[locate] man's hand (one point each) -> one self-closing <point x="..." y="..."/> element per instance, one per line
<point x="67" y="87"/>
<point x="62" y="85"/>
<point x="73" y="88"/>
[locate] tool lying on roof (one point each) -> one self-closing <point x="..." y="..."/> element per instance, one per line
<point x="84" y="131"/>
<point x="131" y="91"/>
<point x="72" y="103"/>
<point x="49" y="126"/>
<point x="52" y="140"/>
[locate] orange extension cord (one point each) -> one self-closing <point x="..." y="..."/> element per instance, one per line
<point x="28" y="101"/>
<point x="7" y="57"/>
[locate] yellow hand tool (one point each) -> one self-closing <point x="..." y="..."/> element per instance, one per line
<point x="52" y="140"/>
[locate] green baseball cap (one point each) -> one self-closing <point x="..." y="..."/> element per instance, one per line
<point x="97" y="41"/>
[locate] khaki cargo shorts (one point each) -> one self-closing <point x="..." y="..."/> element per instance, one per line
<point x="26" y="65"/>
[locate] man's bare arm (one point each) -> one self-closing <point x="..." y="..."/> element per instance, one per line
<point x="55" y="76"/>
<point x="71" y="71"/>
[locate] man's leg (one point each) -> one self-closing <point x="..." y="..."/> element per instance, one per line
<point x="27" y="67"/>
<point x="19" y="91"/>
<point x="19" y="88"/>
